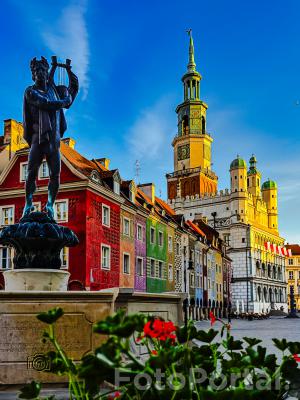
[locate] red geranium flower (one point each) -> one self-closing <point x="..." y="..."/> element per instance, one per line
<point x="154" y="352"/>
<point x="114" y="395"/>
<point x="296" y="357"/>
<point x="159" y="329"/>
<point x="212" y="318"/>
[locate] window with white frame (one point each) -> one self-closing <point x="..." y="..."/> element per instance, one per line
<point x="117" y="187"/>
<point x="131" y="195"/>
<point x="64" y="257"/>
<point x="7" y="215"/>
<point x="152" y="267"/>
<point x="126" y="226"/>
<point x="105" y="215"/>
<point x="170" y="272"/>
<point x="160" y="269"/>
<point x="170" y="244"/>
<point x="61" y="211"/>
<point x="160" y="238"/>
<point x="291" y="274"/>
<point x="139" y="266"/>
<point x="291" y="261"/>
<point x="152" y="235"/>
<point x="23" y="171"/>
<point x="105" y="257"/>
<point x="126" y="263"/>
<point x="5" y="258"/>
<point x="139" y="232"/>
<point x="178" y="249"/>
<point x="44" y="170"/>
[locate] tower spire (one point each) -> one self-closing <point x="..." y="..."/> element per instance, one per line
<point x="191" y="65"/>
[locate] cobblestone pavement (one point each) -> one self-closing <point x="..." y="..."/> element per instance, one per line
<point x="266" y="329"/>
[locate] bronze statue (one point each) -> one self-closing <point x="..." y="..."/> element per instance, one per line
<point x="44" y="125"/>
<point x="37" y="238"/>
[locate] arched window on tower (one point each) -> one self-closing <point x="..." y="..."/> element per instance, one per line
<point x="185" y="125"/>
<point x="193" y="90"/>
<point x="203" y="125"/>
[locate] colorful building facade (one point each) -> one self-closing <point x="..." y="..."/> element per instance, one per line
<point x="293" y="273"/>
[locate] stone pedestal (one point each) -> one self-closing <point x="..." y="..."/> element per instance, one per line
<point x="36" y="280"/>
<point x="21" y="349"/>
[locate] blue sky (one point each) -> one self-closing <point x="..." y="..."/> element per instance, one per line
<point x="130" y="56"/>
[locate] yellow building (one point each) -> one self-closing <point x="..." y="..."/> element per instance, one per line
<point x="246" y="215"/>
<point x="11" y="141"/>
<point x="219" y="276"/>
<point x="293" y="273"/>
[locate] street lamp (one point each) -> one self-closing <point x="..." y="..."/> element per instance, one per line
<point x="189" y="268"/>
<point x="214" y="214"/>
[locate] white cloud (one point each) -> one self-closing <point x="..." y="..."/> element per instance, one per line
<point x="68" y="38"/>
<point x="150" y="134"/>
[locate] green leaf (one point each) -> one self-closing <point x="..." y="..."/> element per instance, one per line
<point x="51" y="316"/>
<point x="281" y="344"/>
<point x="30" y="391"/>
<point x="185" y="333"/>
<point x="232" y="344"/>
<point x="294" y="347"/>
<point x="121" y="325"/>
<point x="252" y="341"/>
<point x="206" y="337"/>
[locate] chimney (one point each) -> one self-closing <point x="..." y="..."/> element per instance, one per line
<point x="149" y="190"/>
<point x="13" y="134"/>
<point x="69" y="142"/>
<point x="104" y="161"/>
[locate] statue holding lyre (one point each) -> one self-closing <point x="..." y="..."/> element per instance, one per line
<point x="44" y="125"/>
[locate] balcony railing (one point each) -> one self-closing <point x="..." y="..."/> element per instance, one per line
<point x="188" y="171"/>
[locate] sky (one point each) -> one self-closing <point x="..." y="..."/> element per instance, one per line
<point x="130" y="57"/>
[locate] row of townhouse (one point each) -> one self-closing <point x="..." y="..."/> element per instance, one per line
<point x="293" y="274"/>
<point x="128" y="237"/>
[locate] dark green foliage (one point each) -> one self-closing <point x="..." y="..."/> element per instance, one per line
<point x="30" y="391"/>
<point x="51" y="316"/>
<point x="221" y="370"/>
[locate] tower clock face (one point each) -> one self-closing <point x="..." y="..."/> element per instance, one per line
<point x="183" y="152"/>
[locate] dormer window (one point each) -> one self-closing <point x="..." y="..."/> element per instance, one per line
<point x="132" y="192"/>
<point x="116" y="187"/>
<point x="95" y="176"/>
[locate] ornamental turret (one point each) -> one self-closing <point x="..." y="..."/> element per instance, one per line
<point x="254" y="178"/>
<point x="269" y="195"/>
<point x="238" y="185"/>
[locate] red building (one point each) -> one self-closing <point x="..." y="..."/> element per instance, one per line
<point x="88" y="202"/>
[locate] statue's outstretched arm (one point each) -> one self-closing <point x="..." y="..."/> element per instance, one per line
<point x="39" y="100"/>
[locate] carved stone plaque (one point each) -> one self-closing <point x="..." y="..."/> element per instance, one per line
<point x="21" y="336"/>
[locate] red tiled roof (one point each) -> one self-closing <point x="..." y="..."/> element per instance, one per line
<point x="77" y="160"/>
<point x="195" y="228"/>
<point x="295" y="249"/>
<point x="144" y="197"/>
<point x="165" y="206"/>
<point x="99" y="165"/>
